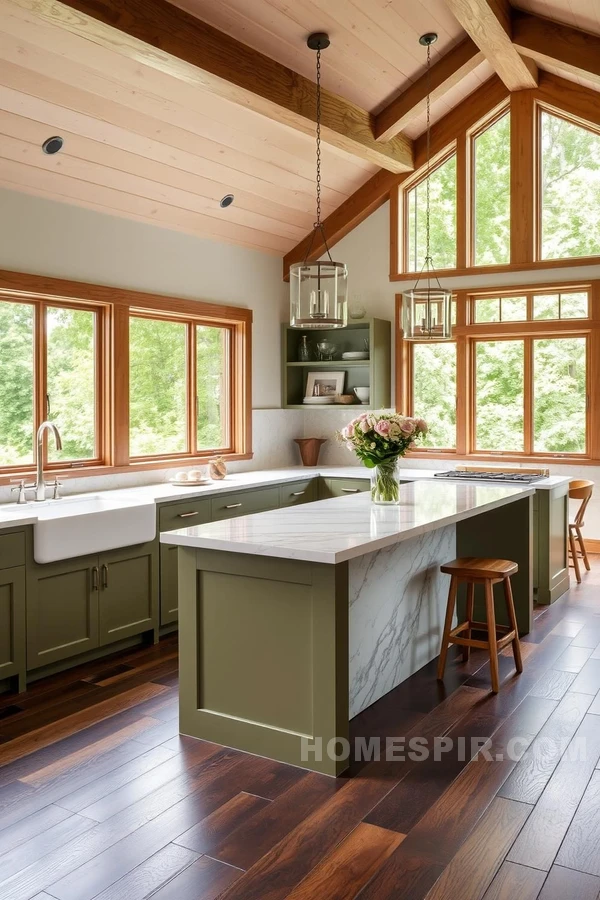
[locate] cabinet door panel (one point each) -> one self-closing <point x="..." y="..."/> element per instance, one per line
<point x="340" y="487"/>
<point x="297" y="492"/>
<point x="169" y="601"/>
<point x="62" y="611"/>
<point x="243" y="503"/>
<point x="12" y="622"/>
<point x="128" y="597"/>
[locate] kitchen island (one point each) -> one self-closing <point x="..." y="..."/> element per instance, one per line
<point x="294" y="621"/>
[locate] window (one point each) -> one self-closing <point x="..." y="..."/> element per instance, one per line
<point x="49" y="368"/>
<point x="129" y="379"/>
<point x="515" y="379"/>
<point x="570" y="189"/>
<point x="442" y="191"/>
<point x="491" y="194"/>
<point x="434" y="391"/>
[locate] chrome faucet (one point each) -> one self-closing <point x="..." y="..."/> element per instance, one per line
<point x="40" y="484"/>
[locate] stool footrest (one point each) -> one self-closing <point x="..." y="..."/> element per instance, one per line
<point x="479" y="626"/>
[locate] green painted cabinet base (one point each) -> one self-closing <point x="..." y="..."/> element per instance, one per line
<point x="228" y="656"/>
<point x="12" y="625"/>
<point x="550" y="529"/>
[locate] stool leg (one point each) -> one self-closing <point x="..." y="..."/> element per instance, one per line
<point x="581" y="543"/>
<point x="510" y="605"/>
<point x="492" y="641"/>
<point x="574" y="556"/>
<point x="466" y="651"/>
<point x="447" y="627"/>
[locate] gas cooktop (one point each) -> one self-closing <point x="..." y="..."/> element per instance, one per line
<point x="505" y="477"/>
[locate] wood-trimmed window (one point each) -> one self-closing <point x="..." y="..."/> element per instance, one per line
<point x="131" y="380"/>
<point x="527" y="184"/>
<point x="516" y="380"/>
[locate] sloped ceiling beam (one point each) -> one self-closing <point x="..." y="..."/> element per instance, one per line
<point x="155" y="33"/>
<point x="444" y="75"/>
<point x="376" y="191"/>
<point x="578" y="52"/>
<point x="488" y="23"/>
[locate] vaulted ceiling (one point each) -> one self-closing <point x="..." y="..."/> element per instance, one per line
<point x="163" y="113"/>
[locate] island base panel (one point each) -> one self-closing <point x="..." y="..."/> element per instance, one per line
<point x="264" y="655"/>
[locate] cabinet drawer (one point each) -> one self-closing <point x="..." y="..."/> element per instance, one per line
<point x="242" y="503"/>
<point x="340" y="487"/>
<point x="180" y="515"/>
<point x="12" y="549"/>
<point x="297" y="492"/>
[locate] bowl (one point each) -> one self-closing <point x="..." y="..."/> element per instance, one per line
<point x="363" y="394"/>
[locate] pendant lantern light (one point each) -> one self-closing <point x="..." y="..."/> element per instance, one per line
<point x="427" y="308"/>
<point x="318" y="290"/>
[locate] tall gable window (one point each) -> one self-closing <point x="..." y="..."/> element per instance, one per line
<point x="569" y="189"/>
<point x="442" y="218"/>
<point x="491" y="194"/>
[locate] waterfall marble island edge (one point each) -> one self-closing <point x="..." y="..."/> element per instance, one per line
<point x="294" y="621"/>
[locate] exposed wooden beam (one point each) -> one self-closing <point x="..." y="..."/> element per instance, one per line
<point x="376" y="191"/>
<point x="488" y="23"/>
<point x="157" y="34"/>
<point x="578" y="52"/>
<point x="445" y="73"/>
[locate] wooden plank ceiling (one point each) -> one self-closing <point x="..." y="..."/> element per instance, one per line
<point x="164" y="143"/>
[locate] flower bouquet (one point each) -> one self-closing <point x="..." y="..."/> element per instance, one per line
<point x="379" y="439"/>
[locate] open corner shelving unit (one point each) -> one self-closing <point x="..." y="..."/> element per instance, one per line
<point x="374" y="373"/>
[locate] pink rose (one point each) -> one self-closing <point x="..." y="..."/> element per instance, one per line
<point x="407" y="426"/>
<point x="350" y="429"/>
<point x="383" y="427"/>
<point x="364" y="426"/>
<point x="421" y="425"/>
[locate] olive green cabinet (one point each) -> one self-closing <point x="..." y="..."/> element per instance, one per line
<point x="127" y="592"/>
<point x="244" y="503"/>
<point x="62" y="610"/>
<point x="77" y="605"/>
<point x="340" y="487"/>
<point x="171" y="517"/>
<point x="12" y="624"/>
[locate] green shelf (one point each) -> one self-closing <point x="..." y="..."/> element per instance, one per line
<point x="332" y="364"/>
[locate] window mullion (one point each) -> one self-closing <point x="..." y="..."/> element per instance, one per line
<point x="528" y="400"/>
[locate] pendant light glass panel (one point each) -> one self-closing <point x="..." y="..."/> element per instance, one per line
<point x="319" y="295"/>
<point x="427" y="314"/>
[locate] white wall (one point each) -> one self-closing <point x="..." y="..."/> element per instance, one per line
<point x="43" y="237"/>
<point x="366" y="251"/>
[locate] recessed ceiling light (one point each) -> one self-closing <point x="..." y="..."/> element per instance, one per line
<point x="52" y="145"/>
<point x="226" y="201"/>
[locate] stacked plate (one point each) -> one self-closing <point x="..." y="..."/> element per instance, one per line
<point x="319" y="401"/>
<point x="356" y="354"/>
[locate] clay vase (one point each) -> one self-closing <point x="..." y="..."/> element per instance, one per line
<point x="310" y="449"/>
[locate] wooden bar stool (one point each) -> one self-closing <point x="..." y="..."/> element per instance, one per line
<point x="579" y="490"/>
<point x="473" y="570"/>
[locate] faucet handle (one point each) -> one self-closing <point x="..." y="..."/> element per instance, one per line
<point x="21" y="489"/>
<point x="56" y="484"/>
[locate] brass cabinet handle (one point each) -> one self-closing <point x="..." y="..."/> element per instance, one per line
<point x="233" y="506"/>
<point x="187" y="515"/>
<point x="298" y="494"/>
<point x="351" y="490"/>
<point x="104" y="575"/>
<point x="95" y="578"/>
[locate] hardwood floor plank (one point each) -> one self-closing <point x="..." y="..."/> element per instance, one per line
<point x="151" y="875"/>
<point x="350" y="865"/>
<point x="105" y="869"/>
<point x="573" y="659"/>
<point x="405" y="804"/>
<point x="50" y="734"/>
<point x="43" y="872"/>
<point x="92" y="751"/>
<point x="566" y="628"/>
<point x="595" y="707"/>
<point x="206" y="836"/>
<point x="205" y="879"/>
<point x="553" y="684"/>
<point x="248" y="843"/>
<point x="161" y="732"/>
<point x="581" y="847"/>
<point x="115" y="778"/>
<point x="588" y="680"/>
<point x="531" y="775"/>
<point x="15" y="835"/>
<point x="565" y="884"/>
<point x="15" y="792"/>
<point x="515" y="881"/>
<point x="40" y="845"/>
<point x="589" y="636"/>
<point x="542" y="835"/>
<point x="473" y="867"/>
<point x="131" y="791"/>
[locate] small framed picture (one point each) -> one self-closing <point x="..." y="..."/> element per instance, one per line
<point x="324" y="384"/>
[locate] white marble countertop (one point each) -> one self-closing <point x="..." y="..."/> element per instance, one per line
<point x="12" y="515"/>
<point x="342" y="528"/>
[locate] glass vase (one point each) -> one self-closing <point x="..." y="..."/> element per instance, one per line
<point x="385" y="484"/>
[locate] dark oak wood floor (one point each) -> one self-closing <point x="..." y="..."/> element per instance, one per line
<point x="101" y="798"/>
